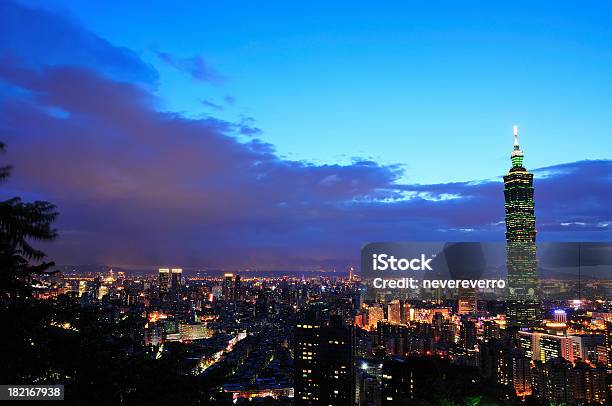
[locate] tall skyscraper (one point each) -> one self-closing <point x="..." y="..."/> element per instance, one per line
<point x="609" y="343"/>
<point x="468" y="334"/>
<point x="394" y="312"/>
<point x="177" y="277"/>
<point x="324" y="371"/>
<point x="338" y="363"/>
<point x="227" y="286"/>
<point x="164" y="281"/>
<point x="523" y="299"/>
<point x="521" y="373"/>
<point x="237" y="288"/>
<point x="307" y="369"/>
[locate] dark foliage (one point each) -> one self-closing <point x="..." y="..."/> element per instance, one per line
<point x="20" y="262"/>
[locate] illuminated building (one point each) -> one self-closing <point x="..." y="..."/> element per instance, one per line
<point x="560" y="316"/>
<point x="609" y="343"/>
<point x="82" y="288"/>
<point x="555" y="382"/>
<point x="324" y="364"/>
<point x="153" y="334"/>
<point x="423" y="314"/>
<point x="466" y="300"/>
<point x="602" y="357"/>
<point x="468" y="334"/>
<point x="177" y="276"/>
<point x="590" y="383"/>
<point x="275" y="390"/>
<point x="407" y="313"/>
<point x="164" y="282"/>
<point x="194" y="331"/>
<point x="397" y="381"/>
<point x="227" y="285"/>
<point x="448" y="332"/>
<point x="237" y="288"/>
<point x="521" y="373"/>
<point x="217" y="293"/>
<point x="102" y="291"/>
<point x="552" y="347"/>
<point x="490" y="330"/>
<point x="394" y="312"/>
<point x="307" y="381"/>
<point x="338" y="363"/>
<point x="523" y="300"/>
<point x="375" y="314"/>
<point x="359" y="320"/>
<point x="392" y="337"/>
<point x="585" y="346"/>
<point x="495" y="362"/>
<point x="541" y="346"/>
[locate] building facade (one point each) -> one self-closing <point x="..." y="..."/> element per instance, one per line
<point x="523" y="299"/>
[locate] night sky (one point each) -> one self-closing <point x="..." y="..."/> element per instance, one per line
<point x="283" y="137"/>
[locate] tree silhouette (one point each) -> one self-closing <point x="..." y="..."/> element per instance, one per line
<point x="97" y="363"/>
<point x="20" y="223"/>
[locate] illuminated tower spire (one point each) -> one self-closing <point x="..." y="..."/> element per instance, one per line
<point x="517" y="154"/>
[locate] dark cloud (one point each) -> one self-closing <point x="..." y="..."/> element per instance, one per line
<point x="195" y="66"/>
<point x="119" y="169"/>
<point x="250" y="131"/>
<point x="246" y="126"/>
<point x="38" y="38"/>
<point x="212" y="105"/>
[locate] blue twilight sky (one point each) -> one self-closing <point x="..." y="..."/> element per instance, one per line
<point x="284" y="135"/>
<point x="329" y="81"/>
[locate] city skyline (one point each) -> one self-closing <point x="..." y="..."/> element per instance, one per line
<point x="140" y="179"/>
<point x="306" y="204"/>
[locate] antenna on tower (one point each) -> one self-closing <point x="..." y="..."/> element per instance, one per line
<point x="515" y="128"/>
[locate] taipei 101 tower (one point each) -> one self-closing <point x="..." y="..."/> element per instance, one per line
<point x="523" y="302"/>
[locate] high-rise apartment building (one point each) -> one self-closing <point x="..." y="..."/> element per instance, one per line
<point x="164" y="282"/>
<point x="394" y="312"/>
<point x="177" y="278"/>
<point x="324" y="366"/>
